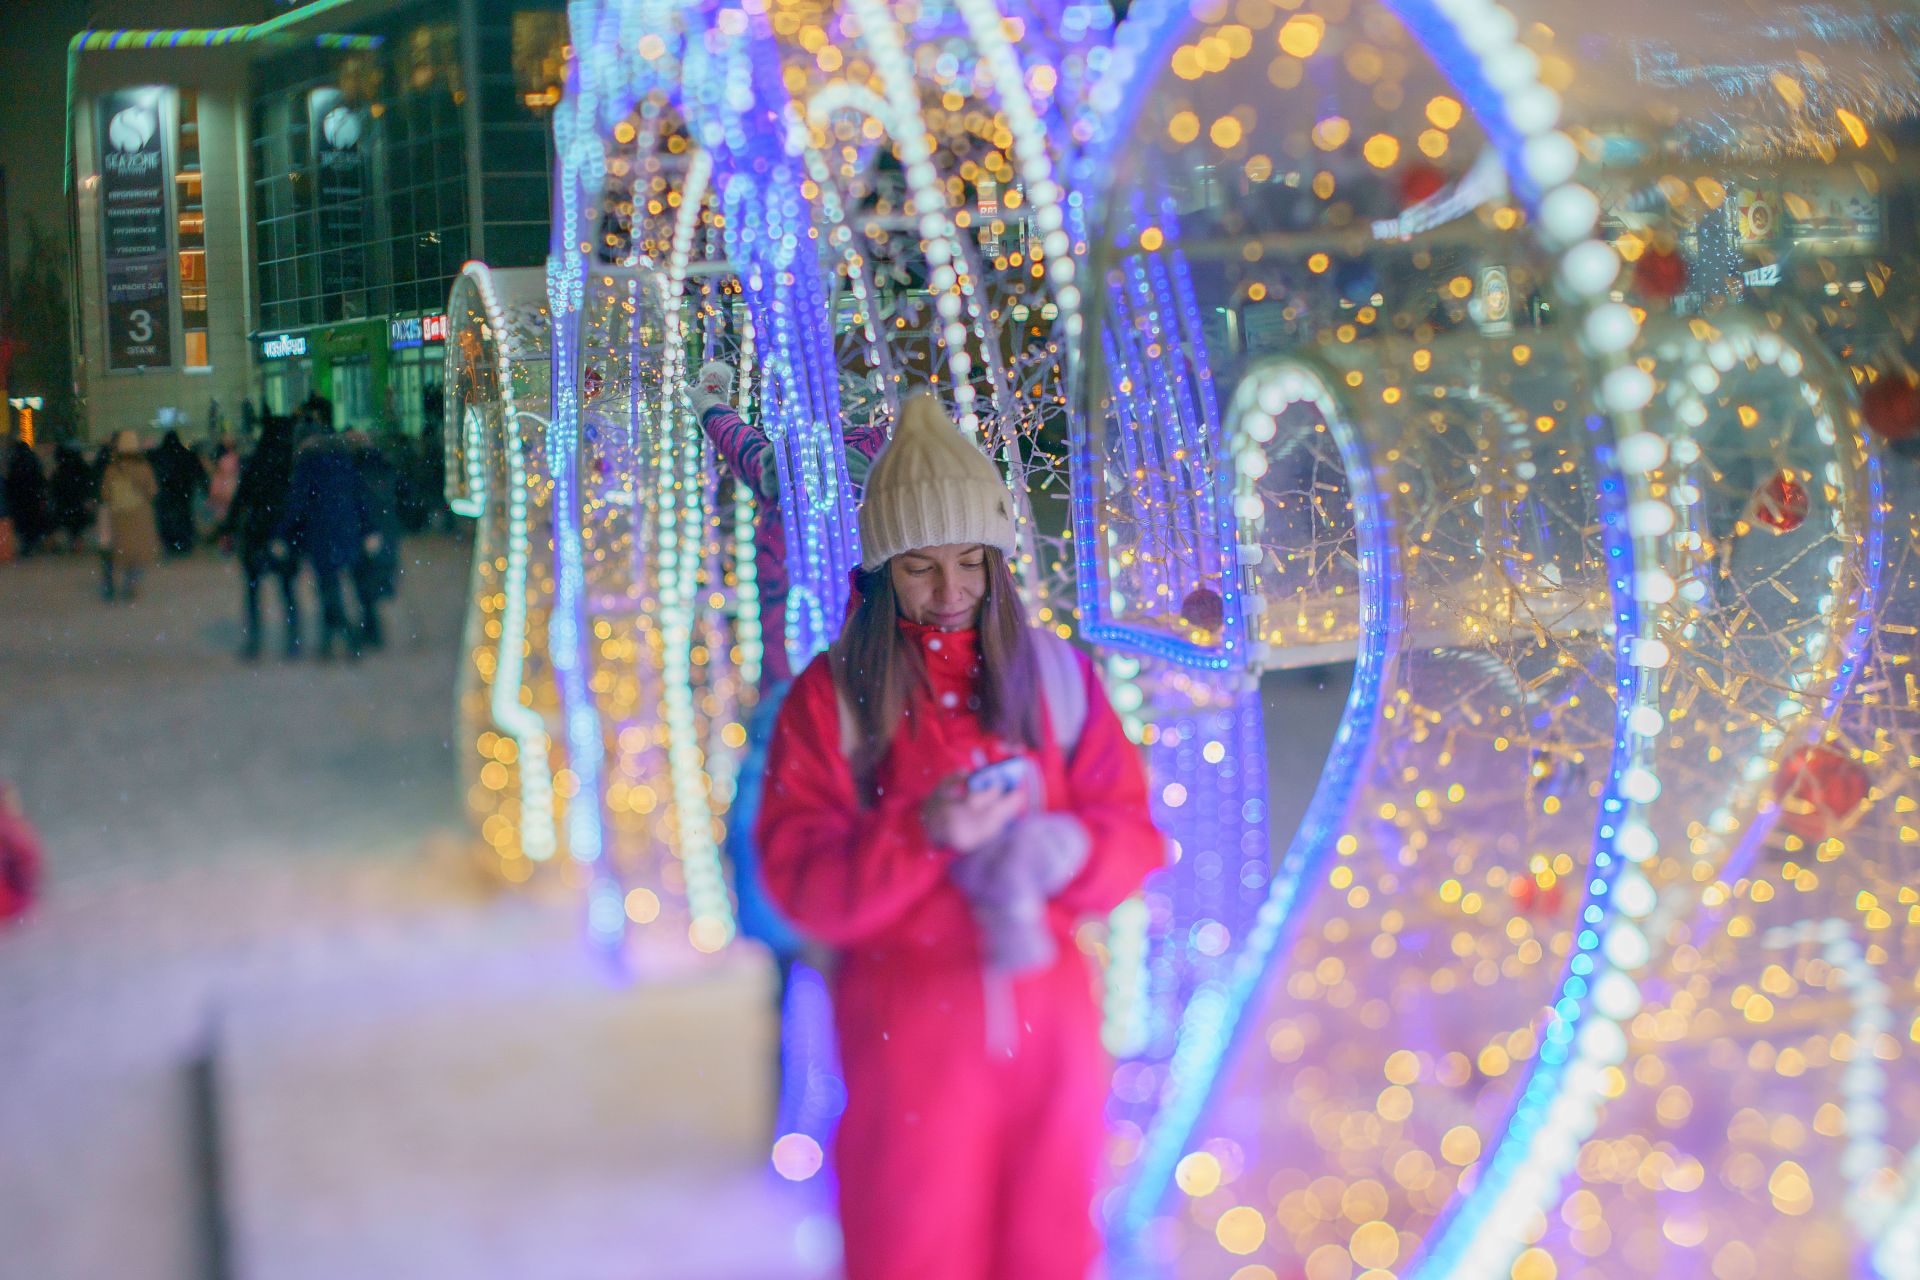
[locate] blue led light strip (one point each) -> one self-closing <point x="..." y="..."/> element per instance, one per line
<point x="580" y="163"/>
<point x="1213" y="1020"/>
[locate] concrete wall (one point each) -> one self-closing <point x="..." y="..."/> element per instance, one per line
<point x="112" y="400"/>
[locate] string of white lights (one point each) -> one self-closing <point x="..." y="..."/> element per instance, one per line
<point x="681" y="489"/>
<point x="525" y="725"/>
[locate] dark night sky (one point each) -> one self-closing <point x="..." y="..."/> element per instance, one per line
<point x="33" y="80"/>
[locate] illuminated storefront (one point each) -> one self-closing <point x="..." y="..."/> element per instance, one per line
<point x="269" y="212"/>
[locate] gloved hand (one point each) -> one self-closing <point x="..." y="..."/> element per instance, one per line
<point x="1010" y="881"/>
<point x="713" y="387"/>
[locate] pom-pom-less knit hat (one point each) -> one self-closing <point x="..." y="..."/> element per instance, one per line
<point x="932" y="486"/>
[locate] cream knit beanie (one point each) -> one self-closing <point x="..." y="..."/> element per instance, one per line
<point x="930" y="487"/>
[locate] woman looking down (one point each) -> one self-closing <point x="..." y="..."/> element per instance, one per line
<point x="948" y="792"/>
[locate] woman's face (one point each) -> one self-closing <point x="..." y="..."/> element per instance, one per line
<point x="941" y="586"/>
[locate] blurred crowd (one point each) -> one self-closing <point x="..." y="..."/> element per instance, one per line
<point x="296" y="500"/>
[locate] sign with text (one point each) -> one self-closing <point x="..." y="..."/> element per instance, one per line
<point x="415" y="331"/>
<point x="283" y="346"/>
<point x="134" y="258"/>
<point x="339" y="132"/>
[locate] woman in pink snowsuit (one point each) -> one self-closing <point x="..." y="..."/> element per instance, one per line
<point x="968" y="1023"/>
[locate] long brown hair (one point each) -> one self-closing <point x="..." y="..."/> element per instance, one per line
<point x="876" y="669"/>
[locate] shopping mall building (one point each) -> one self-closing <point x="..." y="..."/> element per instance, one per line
<point x="269" y="210"/>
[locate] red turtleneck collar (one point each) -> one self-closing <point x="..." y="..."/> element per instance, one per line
<point x="954" y="655"/>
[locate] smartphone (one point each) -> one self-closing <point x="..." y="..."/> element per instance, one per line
<point x="1003" y="775"/>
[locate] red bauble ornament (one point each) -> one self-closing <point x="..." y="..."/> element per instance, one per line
<point x="1203" y="608"/>
<point x="1818" y="788"/>
<point x="594" y="380"/>
<point x="1418" y="181"/>
<point x="1781" y="503"/>
<point x="1532" y="899"/>
<point x="1659" y="274"/>
<point x="1891" y="406"/>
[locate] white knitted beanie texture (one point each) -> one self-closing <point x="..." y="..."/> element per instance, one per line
<point x="932" y="486"/>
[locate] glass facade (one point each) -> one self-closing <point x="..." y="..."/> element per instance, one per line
<point x="361" y="185"/>
<point x="360" y="163"/>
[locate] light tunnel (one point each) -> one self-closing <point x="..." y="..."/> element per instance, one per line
<point x="1545" y="365"/>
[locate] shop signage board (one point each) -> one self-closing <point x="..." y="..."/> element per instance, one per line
<point x="134" y="249"/>
<point x="404" y="332"/>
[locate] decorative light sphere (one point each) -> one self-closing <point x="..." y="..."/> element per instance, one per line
<point x="1891" y="406"/>
<point x="1781" y="503"/>
<point x="1819" y="788"/>
<point x="1660" y="274"/>
<point x="1204" y="608"/>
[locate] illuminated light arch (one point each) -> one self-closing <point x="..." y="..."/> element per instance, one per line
<point x="1452" y="37"/>
<point x="1481" y="1234"/>
<point x="1475" y="42"/>
<point x="515" y="352"/>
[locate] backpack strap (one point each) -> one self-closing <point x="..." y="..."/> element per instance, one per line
<point x="849" y="727"/>
<point x="1064" y="688"/>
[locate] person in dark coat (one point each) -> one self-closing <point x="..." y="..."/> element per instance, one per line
<point x="72" y="494"/>
<point x="253" y="522"/>
<point x="376" y="569"/>
<point x="325" y="523"/>
<point x="20" y="857"/>
<point x="432" y="483"/>
<point x="27" y="497"/>
<point x="182" y="478"/>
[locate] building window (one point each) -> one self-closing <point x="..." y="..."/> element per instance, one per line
<point x="191" y="232"/>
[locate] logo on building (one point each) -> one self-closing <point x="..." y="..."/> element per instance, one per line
<point x="283" y="346"/>
<point x="341" y="128"/>
<point x="133" y="129"/>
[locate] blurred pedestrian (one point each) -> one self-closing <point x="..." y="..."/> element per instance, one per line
<point x="376" y="569"/>
<point x="26" y="483"/>
<point x="325" y="525"/>
<point x="71" y="492"/>
<point x="253" y="523"/>
<point x="128" y="532"/>
<point x="749" y="456"/>
<point x="182" y="478"/>
<point x="20" y="859"/>
<point x="9" y="546"/>
<point x="223" y="481"/>
<point x="432" y="481"/>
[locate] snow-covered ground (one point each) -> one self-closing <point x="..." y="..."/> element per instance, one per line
<point x="269" y="1022"/>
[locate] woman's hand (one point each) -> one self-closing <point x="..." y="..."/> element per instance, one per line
<point x="965" y="822"/>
